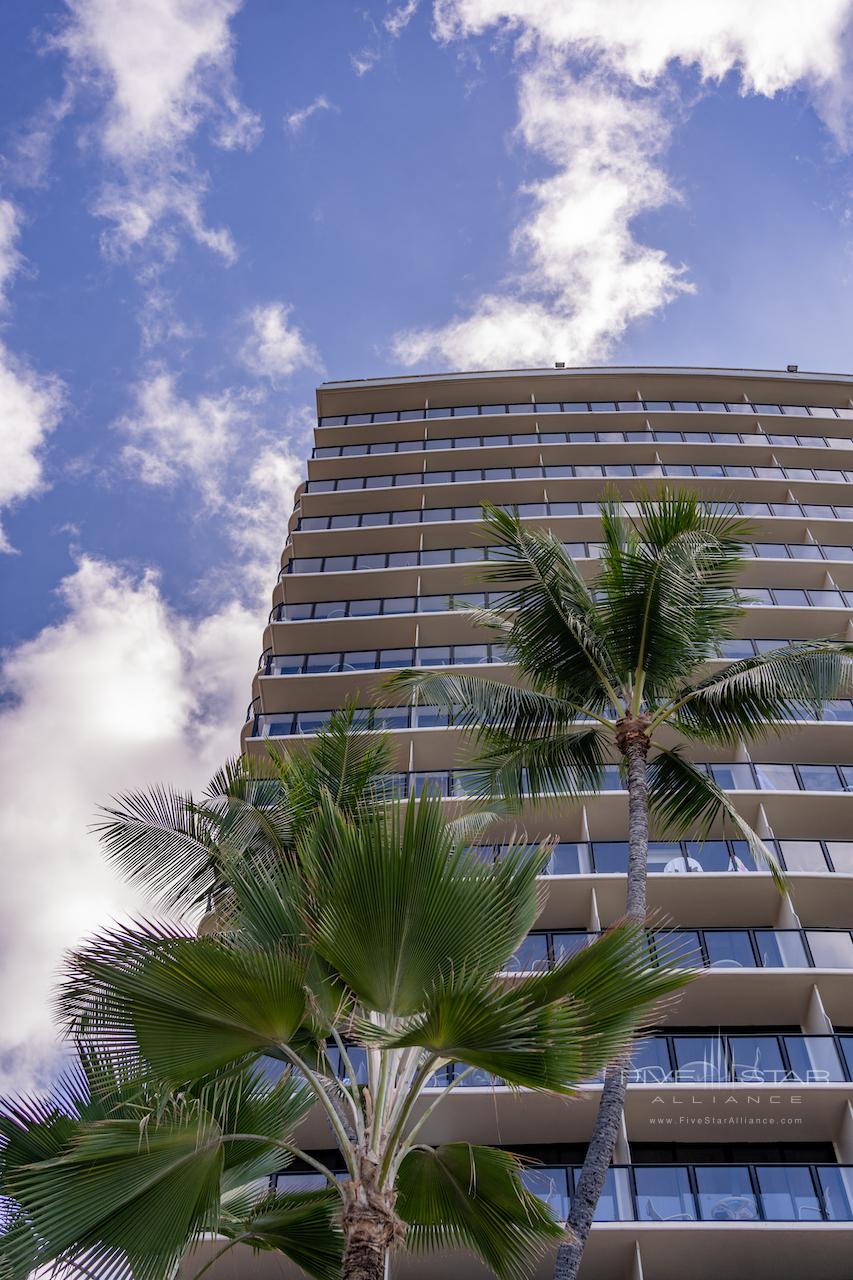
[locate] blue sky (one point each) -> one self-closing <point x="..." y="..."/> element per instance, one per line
<point x="206" y="206"/>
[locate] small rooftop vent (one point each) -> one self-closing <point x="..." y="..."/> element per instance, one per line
<point x="559" y="364"/>
<point x="792" y="368"/>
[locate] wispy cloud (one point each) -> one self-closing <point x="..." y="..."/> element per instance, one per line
<point x="296" y="120"/>
<point x="30" y="402"/>
<point x="161" y="69"/>
<point x="399" y="18"/>
<point x="365" y="60"/>
<point x="274" y="347"/>
<point x="595" y="103"/>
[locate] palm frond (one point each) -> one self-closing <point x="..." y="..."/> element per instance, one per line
<point x="683" y="800"/>
<point x="184" y="1005"/>
<point x="461" y="1196"/>
<point x="396" y="902"/>
<point x="756" y="696"/>
<point x="303" y="1226"/>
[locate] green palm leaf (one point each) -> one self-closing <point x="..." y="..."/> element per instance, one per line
<point x="461" y="1196"/>
<point x="303" y="1226"/>
<point x="188" y="1005"/>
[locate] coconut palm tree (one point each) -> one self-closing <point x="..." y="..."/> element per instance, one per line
<point x="355" y="965"/>
<point x="619" y="667"/>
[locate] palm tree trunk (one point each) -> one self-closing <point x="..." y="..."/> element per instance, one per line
<point x="603" y="1141"/>
<point x="370" y="1227"/>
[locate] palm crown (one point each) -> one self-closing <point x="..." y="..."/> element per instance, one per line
<point x="625" y="664"/>
<point x="340" y="920"/>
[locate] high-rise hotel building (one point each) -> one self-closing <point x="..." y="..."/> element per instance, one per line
<point x="736" y="1155"/>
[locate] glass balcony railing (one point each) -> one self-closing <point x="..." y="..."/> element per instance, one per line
<point x="706" y="948"/>
<point x="651" y="435"/>
<point x="586" y="406"/>
<point x="288" y="724"/>
<point x="750" y="1057"/>
<point x="550" y="510"/>
<point x="661" y="1193"/>
<point x="692" y="857"/>
<point x="429" y="556"/>
<point x="579" y="471"/>
<point x="740" y="776"/>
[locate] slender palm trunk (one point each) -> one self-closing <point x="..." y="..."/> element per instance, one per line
<point x="634" y="745"/>
<point x="370" y="1226"/>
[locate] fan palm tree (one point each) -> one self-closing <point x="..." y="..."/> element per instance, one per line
<point x="346" y="930"/>
<point x="619" y="666"/>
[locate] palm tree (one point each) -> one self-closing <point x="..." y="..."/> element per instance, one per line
<point x="346" y="932"/>
<point x="618" y="666"/>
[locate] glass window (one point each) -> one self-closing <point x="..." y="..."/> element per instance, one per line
<point x="736" y="649"/>
<point x="568" y="944"/>
<point x="776" y="777"/>
<point x="822" y="411"/>
<point x="725" y="1194"/>
<point x="441" y="443"/>
<point x="700" y="1059"/>
<point x="399" y="604"/>
<point x="569" y="859"/>
<point x="526" y="407"/>
<point x="529" y="473"/>
<point x="587" y="470"/>
<point x="493" y="408"/>
<point x="804" y="551"/>
<point x="439" y="413"/>
<point x="405" y="517"/>
<point x="836" y="1195"/>
<point x="795" y="409"/>
<point x="552" y="407"/>
<point x="320" y="662"/>
<point x="364" y="608"/>
<point x="768" y="408"/>
<point x="406" y="446"/>
<point x="358" y="419"/>
<point x="532" y="954"/>
<point x="841" y="853"/>
<point x="733" y="777"/>
<point x="713" y="406"/>
<point x="663" y="1194"/>
<point x="706" y="469"/>
<point x="787" y="1193"/>
<point x="525" y="510"/>
<point x="466" y="410"/>
<point x="288" y="664"/>
<point x="814" y="1058"/>
<point x="375" y="519"/>
<point x="338" y="564"/>
<point x="429" y="717"/>
<point x="603" y="406"/>
<point x="442" y="477"/>
<point x="307" y="565"/>
<point x="575" y="406"/>
<point x="329" y="609"/>
<point x="803" y="855"/>
<point x="831" y="949"/>
<point x="396" y="657"/>
<point x="610" y="857"/>
<point x="827" y="599"/>
<point x="757" y="1059"/>
<point x="708" y="855"/>
<point x="650" y="1062"/>
<point x="373" y="560"/>
<point x="492" y="442"/>
<point x="490" y="473"/>
<point x="355" y="450"/>
<point x="729" y="949"/>
<point x="312" y="721"/>
<point x="820" y="777"/>
<point x="658" y="404"/>
<point x="335" y="420"/>
<point x="433" y="604"/>
<point x="471" y="653"/>
<point x="434" y="656"/>
<point x="790" y="596"/>
<point x="681" y="946"/>
<point x="435" y="515"/>
<point x="549" y="1185"/>
<point x="554" y="437"/>
<point x="359" y="660"/>
<point x="781" y="949"/>
<point x="818" y="512"/>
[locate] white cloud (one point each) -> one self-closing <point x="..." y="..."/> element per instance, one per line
<point x="120" y="694"/>
<point x="30" y="407"/>
<point x="274" y="347"/>
<point x="399" y="18"/>
<point x="257" y="516"/>
<point x="365" y="60"/>
<point x="594" y="102"/>
<point x="30" y="403"/>
<point x="172" y="439"/>
<point x="582" y="275"/>
<point x="163" y="67"/>
<point x="296" y="120"/>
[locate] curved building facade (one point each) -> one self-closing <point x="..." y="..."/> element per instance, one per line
<point x="736" y="1156"/>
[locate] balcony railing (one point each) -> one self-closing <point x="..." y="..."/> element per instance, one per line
<point x="649" y="435"/>
<point x="755" y="1058"/>
<point x="288" y="724"/>
<point x="704" y="948"/>
<point x="431" y="556"/>
<point x="554" y="510"/>
<point x="587" y="406"/>
<point x="671" y="1193"/>
<point x="578" y="471"/>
